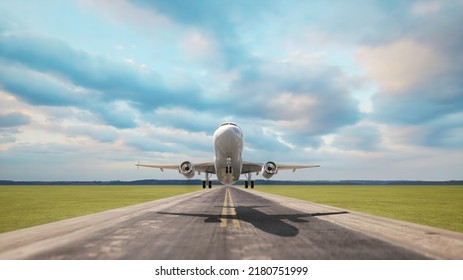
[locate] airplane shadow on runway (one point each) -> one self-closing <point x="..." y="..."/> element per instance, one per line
<point x="270" y="223"/>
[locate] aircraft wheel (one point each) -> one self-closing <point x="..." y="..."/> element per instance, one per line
<point x="204" y="184"/>
<point x="246" y="184"/>
<point x="252" y="184"/>
<point x="210" y="184"/>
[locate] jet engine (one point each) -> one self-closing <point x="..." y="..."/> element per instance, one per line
<point x="269" y="169"/>
<point x="187" y="169"/>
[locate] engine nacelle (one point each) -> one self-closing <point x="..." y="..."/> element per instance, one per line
<point x="269" y="169"/>
<point x="187" y="169"/>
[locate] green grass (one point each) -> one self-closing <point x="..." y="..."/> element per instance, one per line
<point x="437" y="206"/>
<point x="25" y="206"/>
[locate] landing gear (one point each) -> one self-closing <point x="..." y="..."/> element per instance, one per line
<point x="248" y="181"/>
<point x="246" y="184"/>
<point x="207" y="182"/>
<point x="228" y="167"/>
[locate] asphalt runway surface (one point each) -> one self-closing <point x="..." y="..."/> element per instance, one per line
<point x="228" y="223"/>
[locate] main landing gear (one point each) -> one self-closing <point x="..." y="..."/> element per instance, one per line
<point x="207" y="182"/>
<point x="248" y="180"/>
<point x="246" y="184"/>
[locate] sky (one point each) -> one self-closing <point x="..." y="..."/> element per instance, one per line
<point x="367" y="89"/>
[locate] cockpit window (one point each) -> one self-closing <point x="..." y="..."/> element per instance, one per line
<point x="228" y="123"/>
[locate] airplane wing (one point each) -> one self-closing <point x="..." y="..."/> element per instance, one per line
<point x="160" y="166"/>
<point x="201" y="167"/>
<point x="249" y="167"/>
<point x="205" y="167"/>
<point x="257" y="167"/>
<point x="294" y="167"/>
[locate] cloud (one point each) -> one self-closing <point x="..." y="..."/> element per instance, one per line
<point x="219" y="20"/>
<point x="361" y="137"/>
<point x="352" y="86"/>
<point x="292" y="105"/>
<point x="114" y="80"/>
<point x="6" y="138"/>
<point x="119" y="114"/>
<point x="422" y="105"/>
<point x="58" y="75"/>
<point x="95" y="132"/>
<point x="200" y="47"/>
<point x="14" y="119"/>
<point x="308" y="100"/>
<point x="151" y="138"/>
<point x="425" y="8"/>
<point x="424" y="95"/>
<point x="445" y="132"/>
<point x="401" y="65"/>
<point x="40" y="89"/>
<point x="185" y="118"/>
<point x="417" y="74"/>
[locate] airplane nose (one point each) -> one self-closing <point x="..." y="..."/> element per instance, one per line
<point x="237" y="131"/>
<point x="232" y="132"/>
<point x="229" y="137"/>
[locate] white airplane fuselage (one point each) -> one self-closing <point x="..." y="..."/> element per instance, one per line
<point x="228" y="147"/>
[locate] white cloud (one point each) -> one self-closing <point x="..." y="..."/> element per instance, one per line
<point x="99" y="106"/>
<point x="401" y="65"/>
<point x="425" y="8"/>
<point x="129" y="61"/>
<point x="291" y="106"/>
<point x="301" y="57"/>
<point x="118" y="10"/>
<point x="199" y="46"/>
<point x="279" y="136"/>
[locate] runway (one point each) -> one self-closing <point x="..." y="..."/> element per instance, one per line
<point x="230" y="223"/>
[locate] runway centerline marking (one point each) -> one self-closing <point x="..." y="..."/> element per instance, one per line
<point x="223" y="219"/>
<point x="229" y="209"/>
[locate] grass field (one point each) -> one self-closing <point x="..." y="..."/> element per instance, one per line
<point x="437" y="206"/>
<point x="25" y="206"/>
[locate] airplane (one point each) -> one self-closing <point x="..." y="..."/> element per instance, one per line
<point x="228" y="162"/>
